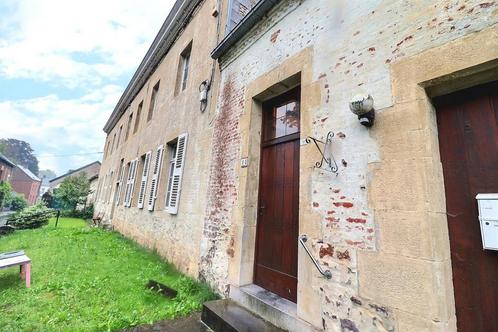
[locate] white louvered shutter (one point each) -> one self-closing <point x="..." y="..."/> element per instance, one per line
<point x="155" y="178"/>
<point x="143" y="183"/>
<point x="132" y="180"/>
<point x="174" y="197"/>
<point x="120" y="185"/>
<point x="127" y="191"/>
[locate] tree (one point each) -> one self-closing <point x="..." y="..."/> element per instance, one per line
<point x="20" y="152"/>
<point x="5" y="193"/>
<point x="72" y="191"/>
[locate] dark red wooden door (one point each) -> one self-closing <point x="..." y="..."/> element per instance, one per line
<point x="278" y="210"/>
<point x="468" y="139"/>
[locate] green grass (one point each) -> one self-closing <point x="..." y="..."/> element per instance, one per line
<point x="87" y="279"/>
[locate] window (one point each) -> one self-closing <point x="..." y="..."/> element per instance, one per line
<point x="130" y="182"/>
<point x="282" y="117"/>
<point x="185" y="66"/>
<point x="236" y="12"/>
<point x="143" y="184"/>
<point x="153" y="101"/>
<point x="113" y="142"/>
<point x="119" y="184"/>
<point x="156" y="170"/>
<point x="137" y="120"/>
<point x="177" y="150"/>
<point x="183" y="70"/>
<point x="109" y="187"/>
<point x="130" y="120"/>
<point x="119" y="136"/>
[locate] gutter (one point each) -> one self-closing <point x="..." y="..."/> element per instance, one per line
<point x="172" y="26"/>
<point x="256" y="14"/>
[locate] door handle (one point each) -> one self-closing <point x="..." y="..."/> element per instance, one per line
<point x="261" y="208"/>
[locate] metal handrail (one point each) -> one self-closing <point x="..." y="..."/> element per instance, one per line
<point x="327" y="274"/>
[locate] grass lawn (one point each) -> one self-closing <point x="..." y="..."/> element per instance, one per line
<point x="87" y="279"/>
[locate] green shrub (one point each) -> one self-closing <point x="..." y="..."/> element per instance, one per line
<point x="17" y="202"/>
<point x="5" y="193"/>
<point x="86" y="213"/>
<point x="32" y="217"/>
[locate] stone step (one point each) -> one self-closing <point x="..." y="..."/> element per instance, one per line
<point x="227" y="316"/>
<point x="271" y="307"/>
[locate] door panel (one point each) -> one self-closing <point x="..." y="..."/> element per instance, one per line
<point x="278" y="210"/>
<point x="468" y="139"/>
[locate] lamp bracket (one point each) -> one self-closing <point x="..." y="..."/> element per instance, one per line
<point x="329" y="161"/>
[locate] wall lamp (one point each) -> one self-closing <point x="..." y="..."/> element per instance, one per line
<point x="362" y="105"/>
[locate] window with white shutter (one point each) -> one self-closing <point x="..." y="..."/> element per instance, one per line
<point x="120" y="183"/>
<point x="127" y="191"/>
<point x="143" y="183"/>
<point x="109" y="187"/>
<point x="156" y="170"/>
<point x="130" y="183"/>
<point x="177" y="165"/>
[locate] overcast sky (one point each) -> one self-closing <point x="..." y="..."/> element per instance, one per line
<point x="63" y="67"/>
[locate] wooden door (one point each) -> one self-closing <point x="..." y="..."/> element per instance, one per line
<point x="278" y="210"/>
<point x="468" y="139"/>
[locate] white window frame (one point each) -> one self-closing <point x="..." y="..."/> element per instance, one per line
<point x="154" y="183"/>
<point x="130" y="183"/>
<point x="120" y="184"/>
<point x="143" y="184"/>
<point x="175" y="175"/>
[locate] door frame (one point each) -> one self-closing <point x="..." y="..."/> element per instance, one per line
<point x="283" y="97"/>
<point x="456" y="65"/>
<point x="295" y="71"/>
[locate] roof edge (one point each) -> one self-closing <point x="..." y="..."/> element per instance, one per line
<point x="165" y="38"/>
<point x="7" y="160"/>
<point x="74" y="171"/>
<point x="247" y="23"/>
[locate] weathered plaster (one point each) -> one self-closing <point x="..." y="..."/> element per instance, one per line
<point x="378" y="224"/>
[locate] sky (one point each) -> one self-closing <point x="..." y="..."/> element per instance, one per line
<point x="63" y="67"/>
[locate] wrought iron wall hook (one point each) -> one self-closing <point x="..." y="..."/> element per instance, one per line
<point x="330" y="161"/>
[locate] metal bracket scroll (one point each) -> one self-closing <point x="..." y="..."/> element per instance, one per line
<point x="330" y="161"/>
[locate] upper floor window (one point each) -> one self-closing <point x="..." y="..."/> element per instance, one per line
<point x="153" y="101"/>
<point x="130" y="120"/>
<point x="236" y="12"/>
<point x="113" y="143"/>
<point x="137" y="119"/>
<point x="119" y="135"/>
<point x="183" y="69"/>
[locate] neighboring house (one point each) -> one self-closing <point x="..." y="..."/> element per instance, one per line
<point x="45" y="186"/>
<point x="227" y="205"/>
<point x="94" y="182"/>
<point x="6" y="167"/>
<point x="91" y="170"/>
<point x="26" y="183"/>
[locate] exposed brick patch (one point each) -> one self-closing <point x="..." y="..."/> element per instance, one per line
<point x="274" y="36"/>
<point x="356" y="220"/>
<point x="222" y="193"/>
<point x="347" y="205"/>
<point x="326" y="250"/>
<point x="343" y="255"/>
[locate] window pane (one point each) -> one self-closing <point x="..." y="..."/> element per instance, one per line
<point x="281" y="121"/>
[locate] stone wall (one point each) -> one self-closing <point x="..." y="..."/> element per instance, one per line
<point x="177" y="238"/>
<point x="371" y="222"/>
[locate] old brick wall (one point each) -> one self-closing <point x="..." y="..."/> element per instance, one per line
<point x="353" y="44"/>
<point x="222" y="190"/>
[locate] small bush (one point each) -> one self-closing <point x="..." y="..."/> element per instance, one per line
<point x="17" y="202"/>
<point x="86" y="213"/>
<point x="32" y="217"/>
